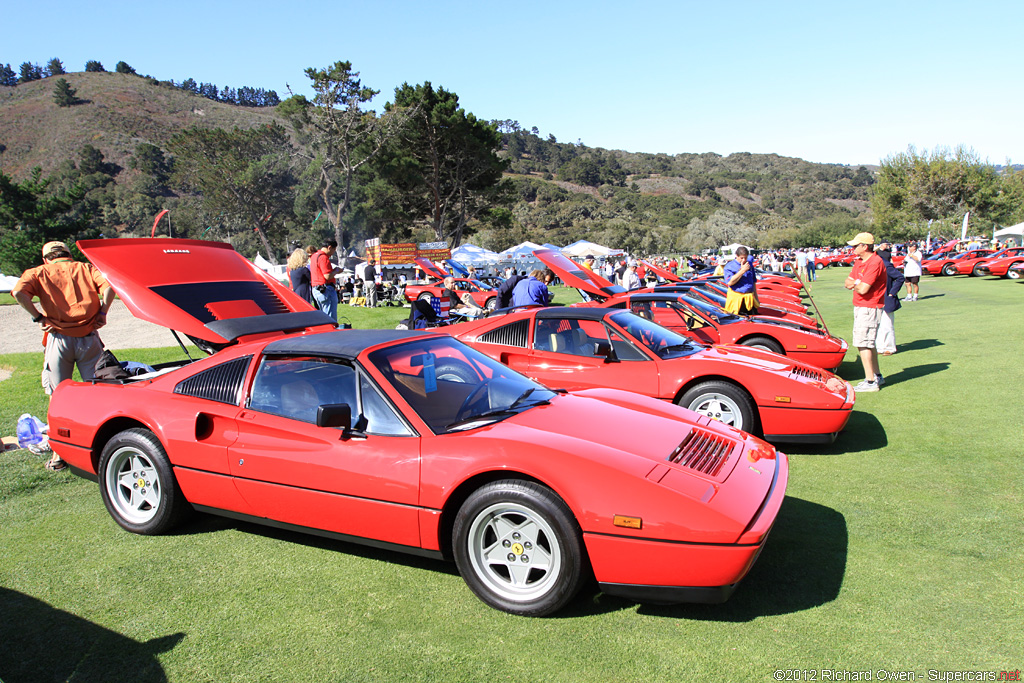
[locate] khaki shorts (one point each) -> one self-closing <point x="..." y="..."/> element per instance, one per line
<point x="865" y="326"/>
<point x="63" y="353"/>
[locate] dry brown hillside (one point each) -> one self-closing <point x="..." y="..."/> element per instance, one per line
<point x="118" y="112"/>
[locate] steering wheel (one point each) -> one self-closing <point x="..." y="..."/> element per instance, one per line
<point x="471" y="400"/>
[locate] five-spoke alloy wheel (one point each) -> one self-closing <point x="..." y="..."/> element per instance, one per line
<point x="138" y="485"/>
<point x="723" y="402"/>
<point x="519" y="548"/>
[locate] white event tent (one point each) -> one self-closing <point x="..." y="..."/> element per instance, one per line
<point x="521" y="251"/>
<point x="1014" y="232"/>
<point x="470" y="254"/>
<point x="582" y="248"/>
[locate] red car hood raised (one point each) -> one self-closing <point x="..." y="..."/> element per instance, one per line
<point x="185" y="284"/>
<point x="428" y="267"/>
<point x="577" y="276"/>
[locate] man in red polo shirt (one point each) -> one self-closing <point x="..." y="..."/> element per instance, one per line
<point x="867" y="280"/>
<point x="321" y="278"/>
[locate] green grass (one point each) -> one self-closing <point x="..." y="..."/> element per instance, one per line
<point x="898" y="548"/>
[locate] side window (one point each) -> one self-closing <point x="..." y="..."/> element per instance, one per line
<point x="296" y="387"/>
<point x="624" y="349"/>
<point x="573" y="337"/>
<point x="381" y="418"/>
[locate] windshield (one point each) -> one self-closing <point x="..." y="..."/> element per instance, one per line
<point x="716" y="313"/>
<point x="661" y="341"/>
<point x="452" y="387"/>
<point x="711" y="294"/>
<point x="482" y="286"/>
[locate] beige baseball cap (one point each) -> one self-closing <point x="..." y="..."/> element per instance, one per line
<point x="50" y="246"/>
<point x="862" y="238"/>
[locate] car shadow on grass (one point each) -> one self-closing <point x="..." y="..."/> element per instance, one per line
<point x="43" y="643"/>
<point x="801" y="567"/>
<point x="211" y="523"/>
<point x="863" y="432"/>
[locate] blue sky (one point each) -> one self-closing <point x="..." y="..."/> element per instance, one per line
<point x="843" y="84"/>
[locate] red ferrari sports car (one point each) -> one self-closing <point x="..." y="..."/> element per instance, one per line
<point x="408" y="440"/>
<point x="583" y="347"/>
<point x="691" y="313"/>
<point x="999" y="264"/>
<point x="948" y="265"/>
<point x="710" y="324"/>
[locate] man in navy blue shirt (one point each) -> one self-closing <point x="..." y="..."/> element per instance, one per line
<point x="742" y="282"/>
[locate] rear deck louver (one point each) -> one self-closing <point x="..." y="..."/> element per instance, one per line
<point x="703" y="451"/>
<point x="220" y="383"/>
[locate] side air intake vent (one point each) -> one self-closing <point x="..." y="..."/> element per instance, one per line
<point x="807" y="373"/>
<point x="703" y="451"/>
<point x="513" y="334"/>
<point x="221" y="383"/>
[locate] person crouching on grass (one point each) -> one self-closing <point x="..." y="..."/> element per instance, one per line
<point x="868" y="281"/>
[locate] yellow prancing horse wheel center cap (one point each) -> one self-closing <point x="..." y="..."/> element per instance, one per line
<point x="517" y="548"/>
<point x="141" y="482"/>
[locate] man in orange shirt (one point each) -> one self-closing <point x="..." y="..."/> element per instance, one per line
<point x="867" y="280"/>
<point x="75" y="298"/>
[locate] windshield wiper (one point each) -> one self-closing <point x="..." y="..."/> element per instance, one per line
<point x="523" y="396"/>
<point x="504" y="412"/>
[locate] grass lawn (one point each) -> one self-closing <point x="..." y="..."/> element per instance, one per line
<point x="898" y="548"/>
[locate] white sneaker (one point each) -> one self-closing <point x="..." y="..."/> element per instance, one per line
<point x="866" y="386"/>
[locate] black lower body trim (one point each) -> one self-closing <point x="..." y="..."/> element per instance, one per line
<point x="348" y="538"/>
<point x="802" y="438"/>
<point x="83" y="473"/>
<point x="670" y="595"/>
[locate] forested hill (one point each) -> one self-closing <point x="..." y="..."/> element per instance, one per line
<point x="111" y="144"/>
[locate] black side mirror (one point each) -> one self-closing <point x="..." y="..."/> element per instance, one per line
<point x="605" y="350"/>
<point x="340" y="415"/>
<point x="334" y="415"/>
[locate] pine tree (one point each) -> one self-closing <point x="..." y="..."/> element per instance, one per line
<point x="94" y="66"/>
<point x="123" y="68"/>
<point x="64" y="94"/>
<point x="7" y="75"/>
<point x="30" y="72"/>
<point x="54" y="67"/>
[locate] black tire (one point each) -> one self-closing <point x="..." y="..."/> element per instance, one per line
<point x="455" y="370"/>
<point x="1013" y="274"/>
<point x="949" y="269"/>
<point x="491" y="303"/>
<point x="723" y="402"/>
<point x="766" y="343"/>
<point x="533" y="563"/>
<point x="138" y="484"/>
<point x="425" y="296"/>
<point x="819" y="266"/>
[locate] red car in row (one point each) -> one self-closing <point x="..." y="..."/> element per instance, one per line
<point x="483" y="295"/>
<point x="689" y="313"/>
<point x="948" y="265"/>
<point x="1000" y="264"/>
<point x="586" y="347"/>
<point x="414" y="441"/>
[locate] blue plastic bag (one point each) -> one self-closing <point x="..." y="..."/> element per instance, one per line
<point x="33" y="434"/>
